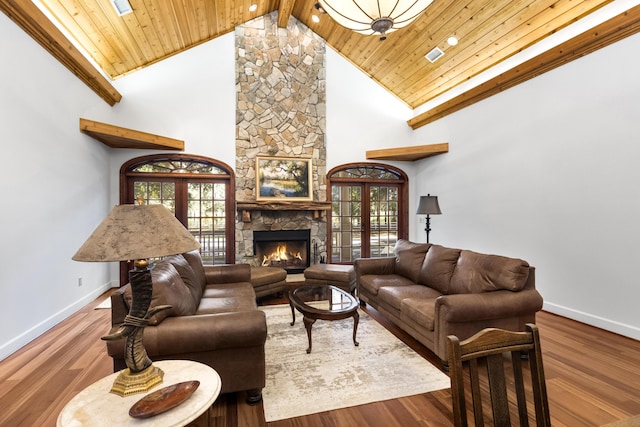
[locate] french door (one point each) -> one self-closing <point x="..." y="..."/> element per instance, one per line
<point x="368" y="211"/>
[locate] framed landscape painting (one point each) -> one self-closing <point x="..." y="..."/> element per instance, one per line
<point x="283" y="178"/>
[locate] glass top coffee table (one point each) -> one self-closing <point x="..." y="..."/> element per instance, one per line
<point x="324" y="302"/>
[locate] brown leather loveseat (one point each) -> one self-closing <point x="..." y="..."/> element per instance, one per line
<point x="431" y="291"/>
<point x="214" y="320"/>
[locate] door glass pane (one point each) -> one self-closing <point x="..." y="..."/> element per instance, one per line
<point x="156" y="193"/>
<point x="206" y="220"/>
<point x="383" y="217"/>
<point x="346" y="223"/>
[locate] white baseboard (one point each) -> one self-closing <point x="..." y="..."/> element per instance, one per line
<point x="590" y="319"/>
<point x="26" y="337"/>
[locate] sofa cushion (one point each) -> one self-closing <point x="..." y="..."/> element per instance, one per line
<point x="393" y="295"/>
<point x="168" y="289"/>
<point x="261" y="276"/>
<point x="420" y="311"/>
<point x="477" y="273"/>
<point x="195" y="261"/>
<point x="409" y="257"/>
<point x="228" y="304"/>
<point x="438" y="267"/>
<point x="188" y="276"/>
<point x="371" y="283"/>
<point x="224" y="290"/>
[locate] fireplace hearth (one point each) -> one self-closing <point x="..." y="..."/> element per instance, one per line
<point x="288" y="249"/>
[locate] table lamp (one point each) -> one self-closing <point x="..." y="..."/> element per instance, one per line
<point x="137" y="232"/>
<point x="428" y="206"/>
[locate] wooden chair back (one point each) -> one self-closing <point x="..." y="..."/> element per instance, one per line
<point x="488" y="348"/>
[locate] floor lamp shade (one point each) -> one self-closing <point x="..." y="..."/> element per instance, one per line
<point x="429" y="205"/>
<point x="137" y="232"/>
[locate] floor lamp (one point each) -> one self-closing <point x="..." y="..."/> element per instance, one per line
<point x="428" y="206"/>
<point x="137" y="232"/>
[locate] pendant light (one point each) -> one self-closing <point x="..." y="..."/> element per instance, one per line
<point x="374" y="16"/>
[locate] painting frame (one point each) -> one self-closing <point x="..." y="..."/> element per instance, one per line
<point x="284" y="179"/>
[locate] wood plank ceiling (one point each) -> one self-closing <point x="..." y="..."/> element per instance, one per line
<point x="488" y="33"/>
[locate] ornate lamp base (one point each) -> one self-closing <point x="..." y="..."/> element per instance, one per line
<point x="127" y="383"/>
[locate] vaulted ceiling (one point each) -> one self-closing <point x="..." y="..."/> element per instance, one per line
<point x="488" y="31"/>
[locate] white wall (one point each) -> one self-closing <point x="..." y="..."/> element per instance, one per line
<point x="548" y="172"/>
<point x="54" y="186"/>
<point x="362" y="116"/>
<point x="189" y="96"/>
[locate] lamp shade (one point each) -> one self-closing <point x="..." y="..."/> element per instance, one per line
<point x="374" y="16"/>
<point x="133" y="232"/>
<point x="428" y="205"/>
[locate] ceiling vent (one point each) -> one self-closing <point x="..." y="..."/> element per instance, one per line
<point x="434" y="55"/>
<point x="122" y="6"/>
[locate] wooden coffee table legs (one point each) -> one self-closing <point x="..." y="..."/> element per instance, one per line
<point x="310" y="320"/>
<point x="356" y="319"/>
<point x="308" y="323"/>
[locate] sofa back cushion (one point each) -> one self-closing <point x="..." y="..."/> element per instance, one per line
<point x="168" y="289"/>
<point x="187" y="275"/>
<point x="438" y="267"/>
<point x="195" y="261"/>
<point x="476" y="273"/>
<point x="409" y="257"/>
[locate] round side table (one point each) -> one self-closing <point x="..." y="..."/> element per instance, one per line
<point x="95" y="406"/>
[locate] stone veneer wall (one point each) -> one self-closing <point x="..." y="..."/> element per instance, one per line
<point x="280" y="111"/>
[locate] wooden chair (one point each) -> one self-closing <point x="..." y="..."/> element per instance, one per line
<point x="491" y="345"/>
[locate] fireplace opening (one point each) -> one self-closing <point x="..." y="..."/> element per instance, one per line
<point x="288" y="249"/>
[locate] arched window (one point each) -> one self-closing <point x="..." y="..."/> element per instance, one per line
<point x="198" y="190"/>
<point x="369" y="210"/>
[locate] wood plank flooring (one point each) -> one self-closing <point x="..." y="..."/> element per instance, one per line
<point x="593" y="378"/>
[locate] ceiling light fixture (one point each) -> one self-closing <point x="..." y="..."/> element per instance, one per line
<point x="452" y="41"/>
<point x="315" y="18"/>
<point x="122" y="6"/>
<point x="374" y="16"/>
<point x="253" y="8"/>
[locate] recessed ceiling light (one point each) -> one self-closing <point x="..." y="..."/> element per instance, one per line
<point x="452" y="41"/>
<point x="122" y="6"/>
<point x="253" y="8"/>
<point x="315" y="18"/>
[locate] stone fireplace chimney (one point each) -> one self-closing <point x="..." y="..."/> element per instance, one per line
<point x="280" y="112"/>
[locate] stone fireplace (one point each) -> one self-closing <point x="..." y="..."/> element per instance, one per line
<point x="280" y="112"/>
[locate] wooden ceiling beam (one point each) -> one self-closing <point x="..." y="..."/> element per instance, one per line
<point x="31" y="19"/>
<point x="284" y="12"/>
<point x="609" y="32"/>
<point x="119" y="137"/>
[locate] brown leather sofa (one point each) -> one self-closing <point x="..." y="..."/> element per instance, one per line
<point x="431" y="292"/>
<point x="214" y="320"/>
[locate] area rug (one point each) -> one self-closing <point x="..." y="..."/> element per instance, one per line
<point x="338" y="374"/>
<point x="104" y="304"/>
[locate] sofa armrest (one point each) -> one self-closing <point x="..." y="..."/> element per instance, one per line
<point x="119" y="308"/>
<point x="201" y="333"/>
<point x="227" y="273"/>
<point x="378" y="266"/>
<point x="458" y="308"/>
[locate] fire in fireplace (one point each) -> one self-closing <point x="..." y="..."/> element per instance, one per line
<point x="288" y="249"/>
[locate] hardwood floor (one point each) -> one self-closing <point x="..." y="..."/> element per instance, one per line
<point x="593" y="378"/>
